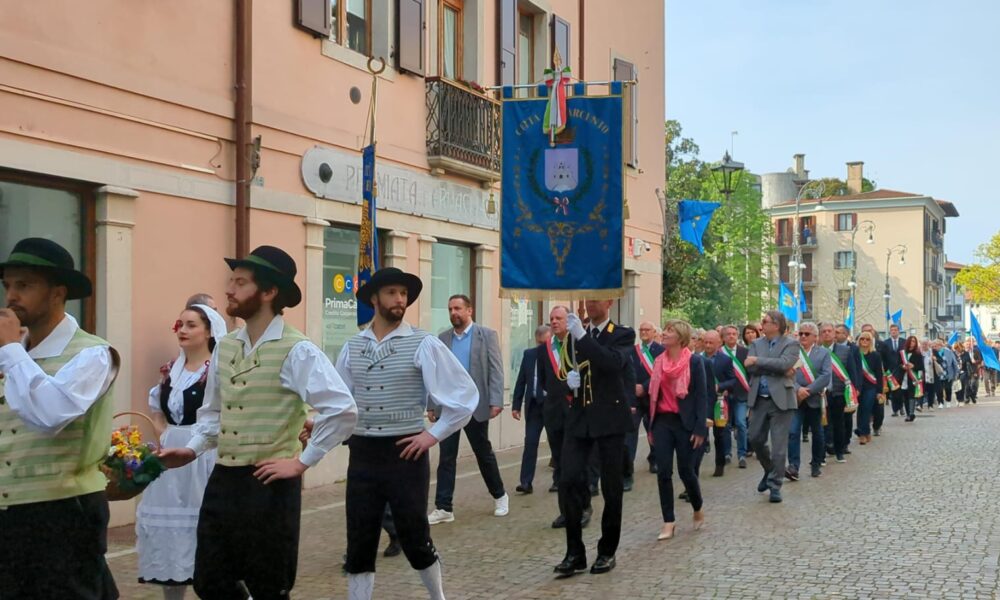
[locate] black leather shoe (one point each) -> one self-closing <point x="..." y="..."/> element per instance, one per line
<point x="653" y="468"/>
<point x="792" y="474"/>
<point x="629" y="484"/>
<point x="775" y="496"/>
<point x="762" y="486"/>
<point x="603" y="564"/>
<point x="585" y="520"/>
<point x="719" y="470"/>
<point x="683" y="496"/>
<point x="571" y="565"/>
<point x="559" y="523"/>
<point x="554" y="487"/>
<point x="816" y="472"/>
<point x="393" y="549"/>
<point x="524" y="489"/>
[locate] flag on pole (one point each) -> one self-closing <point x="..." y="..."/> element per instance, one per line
<point x="786" y="302"/>
<point x="693" y="219"/>
<point x="989" y="356"/>
<point x="557" y="79"/>
<point x="803" y="307"/>
<point x="953" y="338"/>
<point x="368" y="240"/>
<point x="850" y="315"/>
<point x="897" y="318"/>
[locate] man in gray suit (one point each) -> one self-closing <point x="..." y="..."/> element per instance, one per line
<point x="771" y="399"/>
<point x="811" y="379"/>
<point x="478" y="349"/>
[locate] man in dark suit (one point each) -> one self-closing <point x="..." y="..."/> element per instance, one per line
<point x="477" y="348"/>
<point x="811" y="379"/>
<point x="843" y="337"/>
<point x="722" y="383"/>
<point x="738" y="395"/>
<point x="645" y="354"/>
<point x="599" y="416"/>
<point x="772" y="398"/>
<point x="888" y="350"/>
<point x="529" y="394"/>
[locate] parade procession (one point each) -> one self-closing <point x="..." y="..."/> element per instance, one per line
<point x="267" y="263"/>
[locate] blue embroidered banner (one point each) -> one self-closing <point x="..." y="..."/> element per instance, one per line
<point x="368" y="242"/>
<point x="561" y="224"/>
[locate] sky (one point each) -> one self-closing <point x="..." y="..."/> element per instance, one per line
<point x="910" y="87"/>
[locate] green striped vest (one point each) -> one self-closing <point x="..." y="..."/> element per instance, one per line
<point x="260" y="418"/>
<point x="35" y="467"/>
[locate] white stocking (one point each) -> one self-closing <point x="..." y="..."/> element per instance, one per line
<point x="360" y="585"/>
<point x="431" y="576"/>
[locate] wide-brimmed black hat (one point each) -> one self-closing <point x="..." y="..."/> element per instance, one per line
<point x="276" y="264"/>
<point x="391" y="276"/>
<point x="45" y="255"/>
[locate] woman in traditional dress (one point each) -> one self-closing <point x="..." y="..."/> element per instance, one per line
<point x="167" y="515"/>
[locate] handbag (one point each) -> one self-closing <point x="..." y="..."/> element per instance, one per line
<point x="956" y="386"/>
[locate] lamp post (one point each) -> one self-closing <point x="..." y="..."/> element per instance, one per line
<point x="899" y="249"/>
<point x="869" y="228"/>
<point x="727" y="168"/>
<point x="795" y="266"/>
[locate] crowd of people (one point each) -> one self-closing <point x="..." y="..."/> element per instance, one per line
<point x="241" y="415"/>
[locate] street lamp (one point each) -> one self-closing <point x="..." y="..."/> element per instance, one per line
<point x="727" y="168"/>
<point x="899" y="249"/>
<point x="796" y="263"/>
<point x="869" y="228"/>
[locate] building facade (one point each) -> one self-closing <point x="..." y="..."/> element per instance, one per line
<point x="845" y="243"/>
<point x="154" y="139"/>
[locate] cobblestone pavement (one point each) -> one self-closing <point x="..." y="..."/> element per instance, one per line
<point x="912" y="516"/>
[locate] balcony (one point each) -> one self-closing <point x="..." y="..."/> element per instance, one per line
<point x="783" y="241"/>
<point x="463" y="130"/>
<point x="950" y="312"/>
<point x="934" y="239"/>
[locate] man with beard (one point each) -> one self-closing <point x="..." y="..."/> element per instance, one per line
<point x="55" y="414"/>
<point x="477" y="348"/>
<point x="261" y="381"/>
<point x="599" y="416"/>
<point x="392" y="369"/>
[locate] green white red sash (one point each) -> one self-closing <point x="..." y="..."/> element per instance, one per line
<point x="850" y="392"/>
<point x="741" y="372"/>
<point x="645" y="357"/>
<point x="891" y="379"/>
<point x="553" y="352"/>
<point x="721" y="412"/>
<point x="806" y="367"/>
<point x="917" y="380"/>
<point x="867" y="370"/>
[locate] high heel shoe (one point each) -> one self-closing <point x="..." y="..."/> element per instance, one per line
<point x="699" y="519"/>
<point x="667" y="532"/>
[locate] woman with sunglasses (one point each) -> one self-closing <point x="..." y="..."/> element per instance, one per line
<point x="872" y="403"/>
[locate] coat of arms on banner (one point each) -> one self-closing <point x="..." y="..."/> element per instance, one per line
<point x="561" y="223"/>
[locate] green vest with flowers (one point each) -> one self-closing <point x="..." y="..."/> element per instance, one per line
<point x="36" y="467"/>
<point x="260" y="419"/>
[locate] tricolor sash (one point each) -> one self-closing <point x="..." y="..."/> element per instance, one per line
<point x="741" y="372"/>
<point x="893" y="382"/>
<point x="645" y="357"/>
<point x="721" y="412"/>
<point x="867" y="370"/>
<point x="916" y="379"/>
<point x="553" y="351"/>
<point x="806" y="367"/>
<point x="850" y="392"/>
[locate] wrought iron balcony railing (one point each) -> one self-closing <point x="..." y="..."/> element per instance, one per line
<point x="463" y="130"/>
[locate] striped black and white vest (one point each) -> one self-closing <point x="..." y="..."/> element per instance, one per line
<point x="388" y="386"/>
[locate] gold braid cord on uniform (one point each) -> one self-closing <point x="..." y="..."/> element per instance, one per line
<point x="566" y="365"/>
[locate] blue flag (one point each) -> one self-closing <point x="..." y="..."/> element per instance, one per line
<point x="897" y="318"/>
<point x="850" y="315"/>
<point x="693" y="219"/>
<point x="368" y="240"/>
<point x="786" y="302"/>
<point x="561" y="223"/>
<point x="989" y="356"/>
<point x="953" y="338"/>
<point x="803" y="308"/>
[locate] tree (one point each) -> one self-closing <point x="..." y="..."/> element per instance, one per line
<point x="831" y="186"/>
<point x="982" y="280"/>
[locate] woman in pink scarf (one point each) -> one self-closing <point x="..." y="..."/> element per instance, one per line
<point x="678" y="390"/>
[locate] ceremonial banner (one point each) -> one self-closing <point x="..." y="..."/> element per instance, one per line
<point x="368" y="244"/>
<point x="561" y="222"/>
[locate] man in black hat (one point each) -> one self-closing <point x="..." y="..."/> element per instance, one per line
<point x="392" y="368"/>
<point x="260" y="381"/>
<point x="56" y="406"/>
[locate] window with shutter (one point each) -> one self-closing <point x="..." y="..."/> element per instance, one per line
<point x="450" y="38"/>
<point x="625" y="71"/>
<point x="560" y="39"/>
<point x="507" y="41"/>
<point x="313" y="16"/>
<point x="410" y="36"/>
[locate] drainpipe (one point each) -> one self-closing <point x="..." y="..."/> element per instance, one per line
<point x="242" y="122"/>
<point x="582" y="42"/>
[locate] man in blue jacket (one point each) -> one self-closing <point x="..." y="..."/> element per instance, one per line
<point x="529" y="394"/>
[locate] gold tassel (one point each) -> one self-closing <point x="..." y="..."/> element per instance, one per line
<point x="625" y="213"/>
<point x="491" y="204"/>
